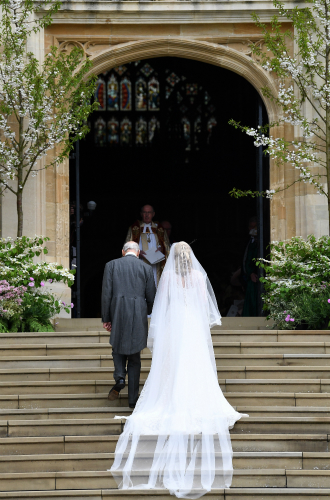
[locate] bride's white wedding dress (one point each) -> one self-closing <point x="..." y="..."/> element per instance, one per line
<point x="178" y="435"/>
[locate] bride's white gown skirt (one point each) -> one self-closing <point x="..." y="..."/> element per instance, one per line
<point x="178" y="435"/>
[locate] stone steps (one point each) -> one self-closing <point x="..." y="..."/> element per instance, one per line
<point x="246" y="442"/>
<point x="112" y="411"/>
<point x="101" y="336"/>
<point x="102" y="461"/>
<point x="231" y="494"/>
<point x="237" y="399"/>
<point x="106" y="373"/>
<point x="58" y="434"/>
<point x="105" y="361"/>
<point x="225" y="347"/>
<point x="76" y="480"/>
<point x="275" y="385"/>
<point x="110" y="426"/>
<point x="228" y="324"/>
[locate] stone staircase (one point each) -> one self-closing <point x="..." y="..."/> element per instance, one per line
<point x="58" y="435"/>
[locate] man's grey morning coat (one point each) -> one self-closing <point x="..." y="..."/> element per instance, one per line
<point x="128" y="293"/>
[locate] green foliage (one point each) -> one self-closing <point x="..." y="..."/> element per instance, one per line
<point x="297" y="282"/>
<point x="3" y="326"/>
<point x="38" y="307"/>
<point x="238" y="193"/>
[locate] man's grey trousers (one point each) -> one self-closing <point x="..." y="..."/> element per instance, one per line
<point x="133" y="371"/>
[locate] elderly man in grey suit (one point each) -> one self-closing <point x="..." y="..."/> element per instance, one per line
<point x="128" y="293"/>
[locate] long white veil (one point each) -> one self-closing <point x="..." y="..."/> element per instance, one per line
<point x="178" y="435"/>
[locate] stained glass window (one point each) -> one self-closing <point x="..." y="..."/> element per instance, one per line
<point x="120" y="70"/>
<point x="125" y="95"/>
<point x="113" y="131"/>
<point x="113" y="94"/>
<point x="131" y="96"/>
<point x="186" y="132"/>
<point x="141" y="136"/>
<point x="153" y="91"/>
<point x="154" y="126"/>
<point x="197" y="131"/>
<point x="100" y="132"/>
<point x="179" y="97"/>
<point x="147" y="70"/>
<point x="191" y="89"/>
<point x="212" y="122"/>
<point x="172" y="79"/>
<point x="99" y="95"/>
<point x="126" y="132"/>
<point x="168" y="92"/>
<point x="141" y="95"/>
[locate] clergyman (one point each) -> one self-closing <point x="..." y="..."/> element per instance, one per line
<point x="149" y="234"/>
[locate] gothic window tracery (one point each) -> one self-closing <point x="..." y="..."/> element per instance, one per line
<point x="141" y="94"/>
<point x="125" y="95"/>
<point x="142" y="100"/>
<point x="100" y="132"/>
<point x="141" y="136"/>
<point x="154" y="98"/>
<point x="126" y="132"/>
<point x="113" y="94"/>
<point x="100" y="93"/>
<point x="113" y="131"/>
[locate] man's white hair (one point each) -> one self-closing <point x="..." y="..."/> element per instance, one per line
<point x="131" y="245"/>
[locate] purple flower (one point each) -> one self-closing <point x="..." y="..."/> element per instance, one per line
<point x="291" y="319"/>
<point x="50" y="280"/>
<point x="284" y="312"/>
<point x="31" y="284"/>
<point x="72" y="305"/>
<point x="329" y="301"/>
<point x="42" y="284"/>
<point x="63" y="303"/>
<point x="32" y="279"/>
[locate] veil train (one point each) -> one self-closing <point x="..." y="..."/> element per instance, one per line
<point x="178" y="435"/>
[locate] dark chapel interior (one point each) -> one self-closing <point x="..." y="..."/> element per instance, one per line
<point x="161" y="137"/>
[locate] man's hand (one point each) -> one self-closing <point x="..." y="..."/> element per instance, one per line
<point x="254" y="277"/>
<point x="158" y="249"/>
<point x="142" y="254"/>
<point x="107" y="326"/>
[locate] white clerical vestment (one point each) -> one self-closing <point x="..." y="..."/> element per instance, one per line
<point x="151" y="240"/>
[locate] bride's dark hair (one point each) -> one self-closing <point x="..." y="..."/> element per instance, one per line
<point x="182" y="256"/>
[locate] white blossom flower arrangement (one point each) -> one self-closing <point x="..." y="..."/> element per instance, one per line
<point x="26" y="304"/>
<point x="297" y="283"/>
<point x="43" y="107"/>
<point x="303" y="94"/>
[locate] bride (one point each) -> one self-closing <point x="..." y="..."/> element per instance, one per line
<point x="178" y="435"/>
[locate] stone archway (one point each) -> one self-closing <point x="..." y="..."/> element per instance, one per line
<point x="211" y="53"/>
<point x="233" y="60"/>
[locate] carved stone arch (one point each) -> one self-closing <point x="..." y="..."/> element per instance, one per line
<point x="212" y="53"/>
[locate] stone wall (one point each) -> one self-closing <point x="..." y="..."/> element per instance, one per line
<point x="113" y="33"/>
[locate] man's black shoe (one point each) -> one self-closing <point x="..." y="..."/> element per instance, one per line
<point x="120" y="384"/>
<point x="114" y="393"/>
<point x="132" y="405"/>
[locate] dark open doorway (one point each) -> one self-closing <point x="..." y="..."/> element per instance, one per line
<point x="176" y="152"/>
